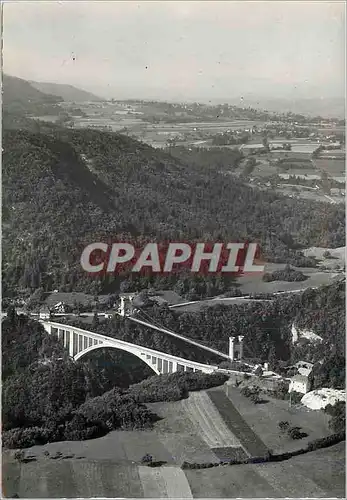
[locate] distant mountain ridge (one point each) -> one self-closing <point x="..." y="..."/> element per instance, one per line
<point x="69" y="93"/>
<point x="19" y="96"/>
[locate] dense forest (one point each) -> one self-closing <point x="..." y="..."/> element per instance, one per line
<point x="48" y="397"/>
<point x="286" y="274"/>
<point x="63" y="189"/>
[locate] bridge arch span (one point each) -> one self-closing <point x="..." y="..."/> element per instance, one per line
<point x="108" y="346"/>
<point x="78" y="342"/>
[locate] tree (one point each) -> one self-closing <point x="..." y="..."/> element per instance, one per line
<point x="12" y="315"/>
<point x="272" y="357"/>
<point x="283" y="425"/>
<point x="338" y="416"/>
<point x="36" y="298"/>
<point x="147" y="459"/>
<point x="96" y="320"/>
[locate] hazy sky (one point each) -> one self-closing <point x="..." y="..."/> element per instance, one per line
<point x="178" y="50"/>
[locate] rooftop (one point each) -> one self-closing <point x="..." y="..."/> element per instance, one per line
<point x="70" y="298"/>
<point x="299" y="378"/>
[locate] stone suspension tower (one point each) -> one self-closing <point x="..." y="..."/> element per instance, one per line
<point x="126" y="307"/>
<point x="236" y="348"/>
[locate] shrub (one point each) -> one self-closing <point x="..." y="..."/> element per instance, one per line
<point x="295" y="397"/>
<point x="295" y="433"/>
<point x="283" y="425"/>
<point x="19" y="455"/>
<point x="326" y="441"/>
<point x="147" y="459"/>
<point x="338" y="416"/>
<point x="253" y="393"/>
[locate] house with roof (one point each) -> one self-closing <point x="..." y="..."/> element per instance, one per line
<point x="304" y="367"/>
<point x="299" y="383"/>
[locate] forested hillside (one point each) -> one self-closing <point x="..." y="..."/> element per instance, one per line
<point x="19" y="97"/>
<point x="46" y="396"/>
<point x="65" y="189"/>
<point x="66" y="92"/>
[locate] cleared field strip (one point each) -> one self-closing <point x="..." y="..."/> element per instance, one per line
<point x="237" y="425"/>
<point x="188" y="447"/>
<point x="136" y="444"/>
<point x="284" y="478"/>
<point x="208" y="421"/>
<point x="78" y="479"/>
<point x="236" y="481"/>
<point x="153" y="484"/>
<point x="120" y="480"/>
<point x="177" y="485"/>
<point x="51" y="480"/>
<point x="164" y="482"/>
<point x="10" y="477"/>
<point x="179" y="435"/>
<point x="226" y="454"/>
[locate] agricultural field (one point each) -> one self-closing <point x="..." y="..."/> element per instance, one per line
<point x="334" y="168"/>
<point x="338" y="256"/>
<point x="250" y="441"/>
<point x="320" y="474"/>
<point x="254" y="284"/>
<point x="72" y="478"/>
<point x="206" y="427"/>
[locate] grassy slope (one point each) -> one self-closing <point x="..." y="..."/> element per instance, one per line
<point x="263" y="419"/>
<point x="250" y="441"/>
<point x="110" y="466"/>
<point x="318" y="474"/>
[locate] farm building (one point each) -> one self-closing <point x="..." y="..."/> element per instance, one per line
<point x="299" y="383"/>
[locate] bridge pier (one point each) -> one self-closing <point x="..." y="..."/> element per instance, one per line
<point x="71" y="344"/>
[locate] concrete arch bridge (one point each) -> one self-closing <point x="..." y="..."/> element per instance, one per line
<point x="79" y="342"/>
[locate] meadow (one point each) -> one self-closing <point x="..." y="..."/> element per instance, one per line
<point x="206" y="427"/>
